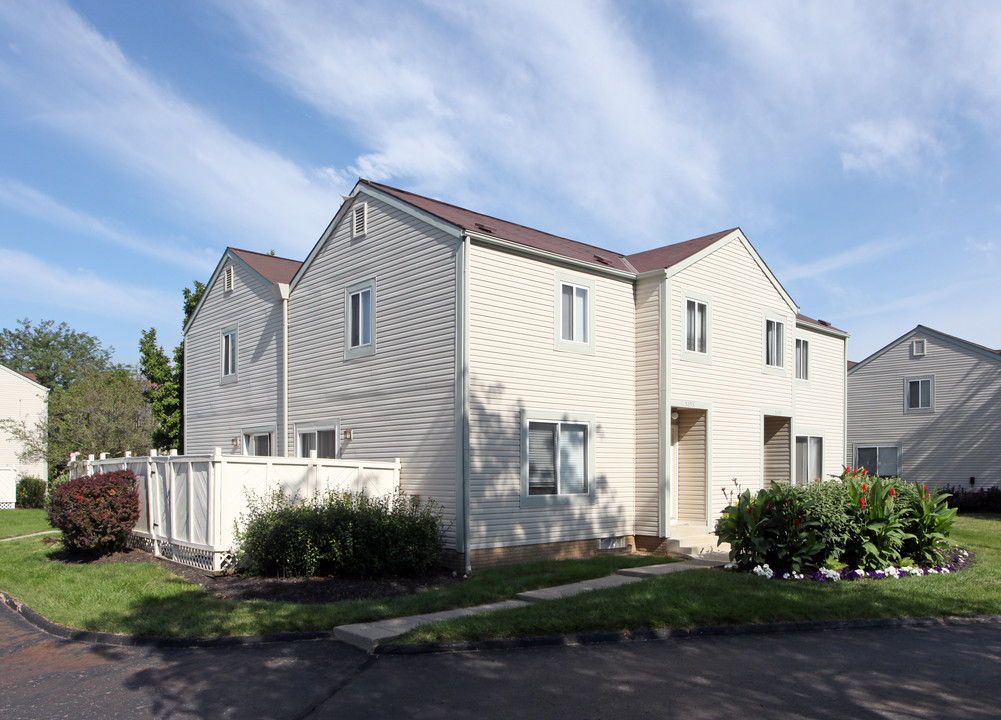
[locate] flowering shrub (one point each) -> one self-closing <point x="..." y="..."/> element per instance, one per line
<point x="881" y="528"/>
<point x="775" y="528"/>
<point x="96" y="513"/>
<point x="929" y="525"/>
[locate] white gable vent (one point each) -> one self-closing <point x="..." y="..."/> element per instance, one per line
<point x="227" y="279"/>
<point x="918" y="348"/>
<point x="359" y="220"/>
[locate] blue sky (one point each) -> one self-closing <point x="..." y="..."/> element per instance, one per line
<point x="856" y="144"/>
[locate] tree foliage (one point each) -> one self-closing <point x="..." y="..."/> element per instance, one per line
<point x="57" y="355"/>
<point x="165" y="392"/>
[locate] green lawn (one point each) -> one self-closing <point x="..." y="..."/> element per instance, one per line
<point x="22" y="522"/>
<point x="145" y="599"/>
<point x="709" y="597"/>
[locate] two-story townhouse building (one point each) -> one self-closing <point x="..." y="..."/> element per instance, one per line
<point x="553" y="397"/>
<point x="23" y="401"/>
<point x="927" y="407"/>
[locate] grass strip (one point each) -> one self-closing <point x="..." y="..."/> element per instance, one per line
<point x="703" y="598"/>
<point x="145" y="599"/>
<point x="22" y="522"/>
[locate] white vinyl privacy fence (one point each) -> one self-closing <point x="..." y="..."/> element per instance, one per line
<point x="189" y="504"/>
<point x="8" y="488"/>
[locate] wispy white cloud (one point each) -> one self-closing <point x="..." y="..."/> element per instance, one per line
<point x="33" y="203"/>
<point x="891" y="149"/>
<point x="554" y="99"/>
<point x="854" y="257"/>
<point x="67" y="77"/>
<point x="33" y="282"/>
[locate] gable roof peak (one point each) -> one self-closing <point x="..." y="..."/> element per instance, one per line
<point x="272" y="268"/>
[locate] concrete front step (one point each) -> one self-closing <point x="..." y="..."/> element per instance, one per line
<point x="696" y="545"/>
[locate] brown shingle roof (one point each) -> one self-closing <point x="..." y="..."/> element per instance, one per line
<point x="272" y="268"/>
<point x="821" y="323"/>
<point x="665" y="257"/>
<point x="495" y="227"/>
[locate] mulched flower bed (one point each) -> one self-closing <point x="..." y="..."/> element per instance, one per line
<point x="317" y="590"/>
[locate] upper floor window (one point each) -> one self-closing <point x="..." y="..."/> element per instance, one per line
<point x="774" y="343"/>
<point x="918" y="347"/>
<point x="229" y="353"/>
<point x="920" y="394"/>
<point x="359" y="220"/>
<point x="574" y="315"/>
<point x="802" y="359"/>
<point x="360" y="319"/>
<point x="696" y="326"/>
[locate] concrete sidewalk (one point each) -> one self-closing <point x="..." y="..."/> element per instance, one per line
<point x="369" y="635"/>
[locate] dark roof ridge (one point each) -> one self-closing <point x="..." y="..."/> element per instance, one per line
<point x="267" y="255"/>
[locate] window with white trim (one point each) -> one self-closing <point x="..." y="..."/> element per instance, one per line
<point x="802" y="359"/>
<point x="323" y="441"/>
<point x="574" y="313"/>
<point x="696" y="326"/>
<point x="359" y="220"/>
<point x="557" y="458"/>
<point x="881" y="460"/>
<point x="919" y="394"/>
<point x="229" y="354"/>
<point x="257" y="443"/>
<point x="360" y="319"/>
<point x="918" y="347"/>
<point x="774" y="343"/>
<point x="809" y="459"/>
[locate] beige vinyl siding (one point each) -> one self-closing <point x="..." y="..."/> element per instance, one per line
<point x="400" y="401"/>
<point x="735" y="385"/>
<point x="25" y="401"/>
<point x="648" y="390"/>
<point x="513" y="366"/>
<point x="959" y="440"/>
<point x="216" y="411"/>
<point x="821" y="400"/>
<point x="691" y="467"/>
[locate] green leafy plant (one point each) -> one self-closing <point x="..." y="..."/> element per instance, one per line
<point x="30" y="493"/>
<point x="881" y="521"/>
<point x="930" y="522"/>
<point x="775" y="527"/>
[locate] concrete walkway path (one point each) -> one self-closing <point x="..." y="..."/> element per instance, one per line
<point x="369" y="635"/>
<point x="21" y="537"/>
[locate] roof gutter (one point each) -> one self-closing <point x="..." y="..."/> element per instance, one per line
<point x="519" y="248"/>
<point x="281" y="291"/>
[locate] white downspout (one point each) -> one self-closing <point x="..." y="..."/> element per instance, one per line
<point x="282" y="293"/>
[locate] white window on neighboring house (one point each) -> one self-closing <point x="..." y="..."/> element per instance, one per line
<point x="878" y="459"/>
<point x="774" y="343"/>
<point x="359" y="220"/>
<point x="918" y="347"/>
<point x="802" y="359"/>
<point x="323" y="441"/>
<point x="557" y="458"/>
<point x="257" y="443"/>
<point x="696" y="326"/>
<point x="360" y="316"/>
<point x="919" y="394"/>
<point x="809" y="459"/>
<point x="229" y="354"/>
<point x="574" y="320"/>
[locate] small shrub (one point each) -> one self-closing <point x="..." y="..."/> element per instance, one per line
<point x="30" y="493"/>
<point x="340" y="533"/>
<point x="982" y="500"/>
<point x="96" y="513"/>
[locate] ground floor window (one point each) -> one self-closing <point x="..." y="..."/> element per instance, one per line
<point x="257" y="443"/>
<point x="881" y="460"/>
<point x="809" y="459"/>
<point x="557" y="458"/>
<point x="324" y="442"/>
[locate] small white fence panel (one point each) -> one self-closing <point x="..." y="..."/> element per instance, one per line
<point x="8" y="488"/>
<point x="189" y="505"/>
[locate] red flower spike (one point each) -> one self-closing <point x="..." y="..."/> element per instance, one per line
<point x="861" y="502"/>
<point x="750" y="509"/>
<point x="864" y="488"/>
<point x="892" y="492"/>
<point x="926" y="488"/>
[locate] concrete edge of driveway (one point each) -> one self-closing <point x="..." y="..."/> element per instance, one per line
<point x="88" y="636"/>
<point x="100" y="638"/>
<point x="676" y="634"/>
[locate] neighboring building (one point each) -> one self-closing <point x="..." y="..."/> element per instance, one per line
<point x="927" y="407"/>
<point x="553" y="397"/>
<point x="22" y="399"/>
